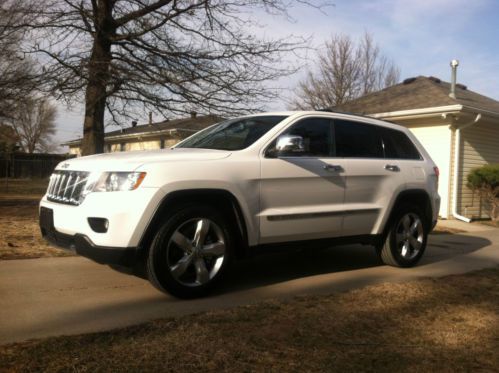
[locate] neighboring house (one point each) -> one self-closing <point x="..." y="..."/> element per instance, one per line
<point x="459" y="133"/>
<point x="150" y="136"/>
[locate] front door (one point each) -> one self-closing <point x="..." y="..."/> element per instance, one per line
<point x="301" y="196"/>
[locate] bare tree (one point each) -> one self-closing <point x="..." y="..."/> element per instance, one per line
<point x="8" y="139"/>
<point x="33" y="121"/>
<point x="16" y="70"/>
<point x="345" y="71"/>
<point x="165" y="56"/>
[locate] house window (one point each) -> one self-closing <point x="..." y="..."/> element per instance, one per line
<point x="122" y="147"/>
<point x="162" y="143"/>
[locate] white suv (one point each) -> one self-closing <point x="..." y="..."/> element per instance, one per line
<point x="182" y="215"/>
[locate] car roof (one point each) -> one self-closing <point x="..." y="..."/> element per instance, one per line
<point x="333" y="114"/>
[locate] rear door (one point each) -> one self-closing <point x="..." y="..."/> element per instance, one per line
<point x="371" y="180"/>
<point x="399" y="148"/>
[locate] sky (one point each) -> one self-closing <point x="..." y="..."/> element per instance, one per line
<point x="420" y="36"/>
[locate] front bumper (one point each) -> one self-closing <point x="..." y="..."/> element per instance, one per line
<point x="127" y="213"/>
<point x="82" y="245"/>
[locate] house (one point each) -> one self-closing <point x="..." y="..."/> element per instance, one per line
<point x="458" y="127"/>
<point x="150" y="136"/>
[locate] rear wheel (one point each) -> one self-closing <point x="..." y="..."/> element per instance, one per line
<point x="191" y="252"/>
<point x="406" y="239"/>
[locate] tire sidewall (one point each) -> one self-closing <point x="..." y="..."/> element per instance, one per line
<point x="157" y="259"/>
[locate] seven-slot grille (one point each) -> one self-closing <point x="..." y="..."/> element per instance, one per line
<point x="67" y="186"/>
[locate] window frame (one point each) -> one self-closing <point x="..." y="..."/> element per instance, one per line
<point x="420" y="156"/>
<point x="332" y="146"/>
<point x="374" y="126"/>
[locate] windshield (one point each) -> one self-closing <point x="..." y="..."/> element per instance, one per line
<point x="234" y="134"/>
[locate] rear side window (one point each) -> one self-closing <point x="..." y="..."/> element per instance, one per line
<point x="397" y="145"/>
<point x="357" y="140"/>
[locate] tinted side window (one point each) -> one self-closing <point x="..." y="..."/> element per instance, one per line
<point x="397" y="145"/>
<point x="317" y="136"/>
<point x="357" y="140"/>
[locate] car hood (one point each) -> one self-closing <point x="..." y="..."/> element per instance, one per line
<point x="129" y="161"/>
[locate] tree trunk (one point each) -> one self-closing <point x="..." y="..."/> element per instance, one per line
<point x="98" y="79"/>
<point x="93" y="126"/>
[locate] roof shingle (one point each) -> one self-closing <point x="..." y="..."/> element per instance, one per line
<point x="417" y="93"/>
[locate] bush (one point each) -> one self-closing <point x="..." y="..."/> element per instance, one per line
<point x="485" y="181"/>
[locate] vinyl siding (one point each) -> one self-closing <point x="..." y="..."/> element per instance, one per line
<point x="143" y="145"/>
<point x="479" y="146"/>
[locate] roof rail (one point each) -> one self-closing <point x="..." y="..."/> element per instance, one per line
<point x="345" y="112"/>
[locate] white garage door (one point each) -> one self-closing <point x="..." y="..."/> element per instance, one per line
<point x="437" y="142"/>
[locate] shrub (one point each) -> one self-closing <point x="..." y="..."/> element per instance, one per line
<point x="485" y="181"/>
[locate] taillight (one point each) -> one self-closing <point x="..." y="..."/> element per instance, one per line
<point x="437" y="173"/>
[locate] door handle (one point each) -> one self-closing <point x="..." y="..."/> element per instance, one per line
<point x="333" y="167"/>
<point x="392" y="167"/>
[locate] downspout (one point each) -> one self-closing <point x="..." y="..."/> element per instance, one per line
<point x="457" y="157"/>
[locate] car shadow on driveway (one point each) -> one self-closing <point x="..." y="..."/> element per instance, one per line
<point x="275" y="267"/>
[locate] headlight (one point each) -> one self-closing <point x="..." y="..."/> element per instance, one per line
<point x="114" y="182"/>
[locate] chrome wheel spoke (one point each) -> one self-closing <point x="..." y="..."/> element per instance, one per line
<point x="399" y="237"/>
<point x="214" y="249"/>
<point x="202" y="228"/>
<point x="405" y="249"/>
<point x="202" y="274"/>
<point x="415" y="226"/>
<point x="181" y="241"/>
<point x="416" y="245"/>
<point x="179" y="269"/>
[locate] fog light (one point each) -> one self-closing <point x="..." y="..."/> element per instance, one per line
<point x="99" y="225"/>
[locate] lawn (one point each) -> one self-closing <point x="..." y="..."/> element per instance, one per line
<point x="20" y="236"/>
<point x="449" y="324"/>
<point x="22" y="189"/>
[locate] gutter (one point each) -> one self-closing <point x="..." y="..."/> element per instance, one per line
<point x="169" y="132"/>
<point x="433" y="111"/>
<point x="457" y="157"/>
<point x="129" y="135"/>
<point x="408" y="114"/>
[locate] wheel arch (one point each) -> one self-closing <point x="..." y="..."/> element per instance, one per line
<point x="219" y="198"/>
<point x="418" y="197"/>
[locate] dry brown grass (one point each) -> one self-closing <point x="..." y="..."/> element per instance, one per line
<point x="22" y="188"/>
<point x="449" y="325"/>
<point x="490" y="223"/>
<point x="446" y="230"/>
<point x="20" y="236"/>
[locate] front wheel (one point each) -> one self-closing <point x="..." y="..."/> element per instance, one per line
<point x="191" y="252"/>
<point x="406" y="239"/>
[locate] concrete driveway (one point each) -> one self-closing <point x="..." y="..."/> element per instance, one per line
<point x="56" y="296"/>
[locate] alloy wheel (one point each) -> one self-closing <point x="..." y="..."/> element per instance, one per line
<point x="409" y="236"/>
<point x="196" y="252"/>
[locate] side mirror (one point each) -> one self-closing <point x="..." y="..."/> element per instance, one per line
<point x="289" y="144"/>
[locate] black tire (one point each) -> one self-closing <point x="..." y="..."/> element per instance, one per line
<point x="399" y="242"/>
<point x="164" y="247"/>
